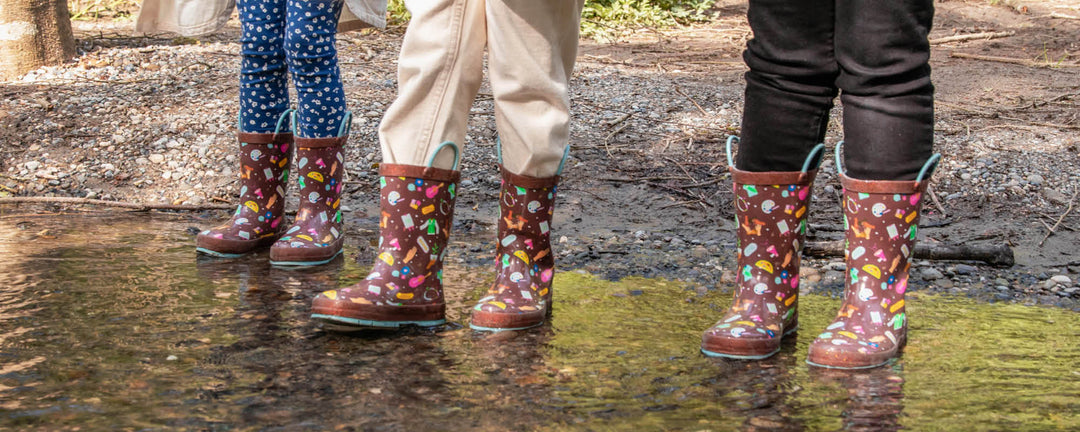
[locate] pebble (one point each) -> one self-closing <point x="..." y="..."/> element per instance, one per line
<point x="931" y="273"/>
<point x="1061" y="279"/>
<point x="1035" y="179"/>
<point x="33" y="165"/>
<point x="964" y="269"/>
<point x="157" y="158"/>
<point x="172" y="358"/>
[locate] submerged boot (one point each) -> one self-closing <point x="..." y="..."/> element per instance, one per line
<point x="257" y="223"/>
<point x="771" y="209"/>
<point x="521" y="295"/>
<point x="881" y="220"/>
<point x="317" y="234"/>
<point x="405" y="283"/>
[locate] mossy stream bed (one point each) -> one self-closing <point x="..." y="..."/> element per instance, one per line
<point x="113" y="324"/>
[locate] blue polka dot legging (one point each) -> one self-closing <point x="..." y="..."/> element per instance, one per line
<point x="281" y="36"/>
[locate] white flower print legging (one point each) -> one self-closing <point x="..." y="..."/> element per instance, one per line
<point x="281" y="36"/>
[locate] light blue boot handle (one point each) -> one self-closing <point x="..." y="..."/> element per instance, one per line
<point x="454" y="147"/>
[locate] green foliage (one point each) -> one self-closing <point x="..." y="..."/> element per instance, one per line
<point x="96" y="9"/>
<point x="607" y="19"/>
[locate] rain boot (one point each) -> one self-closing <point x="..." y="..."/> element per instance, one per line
<point x="771" y="209"/>
<point x="520" y="297"/>
<point x="881" y="221"/>
<point x="404" y="286"/>
<point x="318" y="233"/>
<point x="257" y="222"/>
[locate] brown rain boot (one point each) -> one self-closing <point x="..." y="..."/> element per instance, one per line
<point x="318" y="233"/>
<point x="771" y="209"/>
<point x="405" y="283"/>
<point x="521" y="295"/>
<point x="881" y="220"/>
<point x="257" y="223"/>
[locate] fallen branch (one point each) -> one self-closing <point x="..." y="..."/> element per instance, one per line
<point x="120" y="204"/>
<point x="997" y="255"/>
<point x="1019" y="61"/>
<point x="973" y="36"/>
<point x="1059" y="219"/>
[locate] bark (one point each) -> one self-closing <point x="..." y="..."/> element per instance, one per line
<point x="33" y="33"/>
<point x="995" y="255"/>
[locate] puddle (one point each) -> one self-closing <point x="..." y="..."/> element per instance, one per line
<point x="112" y="323"/>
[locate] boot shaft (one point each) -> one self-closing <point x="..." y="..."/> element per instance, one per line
<point x="881" y="224"/>
<point x="526" y="207"/>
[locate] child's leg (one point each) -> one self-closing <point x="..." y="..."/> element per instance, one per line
<point x="263" y="73"/>
<point x="887" y="95"/>
<point x="439" y="73"/>
<point x="309" y="45"/>
<point x="532" y="46"/>
<point x="789" y="88"/>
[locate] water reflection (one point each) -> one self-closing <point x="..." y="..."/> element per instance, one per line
<point x="875" y="397"/>
<point x="114" y="324"/>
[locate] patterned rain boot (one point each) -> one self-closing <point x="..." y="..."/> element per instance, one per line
<point x="881" y="220"/>
<point x="257" y="223"/>
<point x="770" y="208"/>
<point x="520" y="298"/>
<point x="405" y="283"/>
<point x="318" y="233"/>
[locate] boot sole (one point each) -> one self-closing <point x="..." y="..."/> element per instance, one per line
<point x="305" y="263"/>
<point x="899" y="349"/>
<point x="498" y="329"/>
<point x="217" y="254"/>
<point x="750" y="357"/>
<point x="338" y="323"/>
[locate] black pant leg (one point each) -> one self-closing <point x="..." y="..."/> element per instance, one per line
<point x="888" y="99"/>
<point x="791" y="83"/>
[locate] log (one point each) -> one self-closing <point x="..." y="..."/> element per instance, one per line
<point x="995" y="255"/>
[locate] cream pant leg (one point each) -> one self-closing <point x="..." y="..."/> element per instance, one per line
<point x="531" y="46"/>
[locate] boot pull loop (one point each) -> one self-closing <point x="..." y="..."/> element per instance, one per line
<point x="292" y="123"/>
<point x="928" y="168"/>
<point x="839" y="160"/>
<point x="813" y="160"/>
<point x="562" y="162"/>
<point x="731" y="139"/>
<point x="281" y="120"/>
<point x="346" y="125"/>
<point x="454" y="147"/>
<point x="498" y="149"/>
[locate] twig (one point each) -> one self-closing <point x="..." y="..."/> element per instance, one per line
<point x="973" y="36"/>
<point x="679" y="204"/>
<point x="1060" y="218"/>
<point x="12" y="190"/>
<point x="10" y="177"/>
<point x="120" y="204"/>
<point x="1012" y="60"/>
<point x="631" y="180"/>
<point x="702" y="110"/>
<point x="1060" y="15"/>
<point x="621" y="119"/>
<point x="934" y="198"/>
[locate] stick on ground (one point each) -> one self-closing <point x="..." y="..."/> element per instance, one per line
<point x="997" y="255"/>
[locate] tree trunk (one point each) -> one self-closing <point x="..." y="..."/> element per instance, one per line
<point x="33" y="33"/>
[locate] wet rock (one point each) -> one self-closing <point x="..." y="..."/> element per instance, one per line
<point x="930" y="273"/>
<point x="964" y="269"/>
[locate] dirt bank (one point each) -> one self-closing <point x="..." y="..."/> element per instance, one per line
<point x="150" y="119"/>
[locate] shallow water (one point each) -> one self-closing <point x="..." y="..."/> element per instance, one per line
<point x="114" y="324"/>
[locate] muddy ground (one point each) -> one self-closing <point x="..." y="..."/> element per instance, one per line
<point x="149" y="119"/>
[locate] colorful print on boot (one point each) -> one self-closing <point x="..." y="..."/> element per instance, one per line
<point x="771" y="210"/>
<point x="318" y="233"/>
<point x="405" y="283"/>
<point x="258" y="220"/>
<point x="881" y="222"/>
<point x="520" y="297"/>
